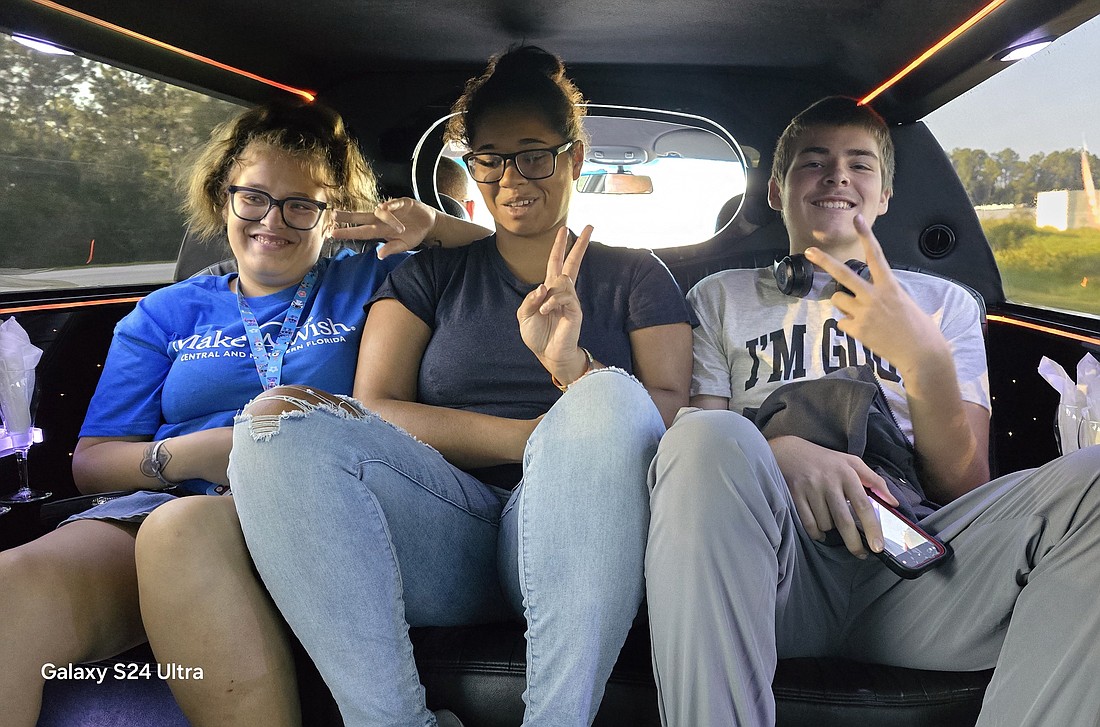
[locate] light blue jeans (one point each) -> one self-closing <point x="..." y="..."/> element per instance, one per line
<point x="359" y="531"/>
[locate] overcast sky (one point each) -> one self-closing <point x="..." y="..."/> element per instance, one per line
<point x="1045" y="103"/>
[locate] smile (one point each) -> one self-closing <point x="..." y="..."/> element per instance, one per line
<point x="520" y="203"/>
<point x="268" y="241"/>
<point x="835" y="205"/>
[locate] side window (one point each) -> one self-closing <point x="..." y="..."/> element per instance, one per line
<point x="652" y="179"/>
<point x="89" y="158"/>
<point x="1030" y="173"/>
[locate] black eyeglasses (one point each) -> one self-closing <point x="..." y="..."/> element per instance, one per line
<point x="299" y="213"/>
<point x="488" y="167"/>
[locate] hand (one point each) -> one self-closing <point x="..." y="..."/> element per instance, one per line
<point x="823" y="483"/>
<point x="550" y="316"/>
<point x="880" y="313"/>
<point x="403" y="223"/>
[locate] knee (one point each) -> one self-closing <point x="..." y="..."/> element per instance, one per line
<point x="262" y="418"/>
<point x="1082" y="474"/>
<point x="197" y="528"/>
<point x="610" y="400"/>
<point x="1086" y="464"/>
<point x="705" y="449"/>
<point x="711" y="435"/>
<point x="289" y="399"/>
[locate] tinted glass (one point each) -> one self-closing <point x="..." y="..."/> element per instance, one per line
<point x="1030" y="172"/>
<point x="89" y="156"/>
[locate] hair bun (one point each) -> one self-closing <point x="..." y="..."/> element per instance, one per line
<point x="523" y="77"/>
<point x="525" y="60"/>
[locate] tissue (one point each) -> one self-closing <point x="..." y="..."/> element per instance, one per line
<point x="1078" y="417"/>
<point x="18" y="358"/>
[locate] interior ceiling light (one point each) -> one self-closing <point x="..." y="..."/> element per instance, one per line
<point x="965" y="26"/>
<point x="1020" y="52"/>
<point x="42" y="46"/>
<point x="307" y="95"/>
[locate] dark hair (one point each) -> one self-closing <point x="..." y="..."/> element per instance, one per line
<point x="835" y="111"/>
<point x="451" y="179"/>
<point x="311" y="133"/>
<point x="524" y="77"/>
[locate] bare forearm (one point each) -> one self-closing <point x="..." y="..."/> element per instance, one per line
<point x="466" y="439"/>
<point x="953" y="455"/>
<point x="106" y="464"/>
<point x="450" y="231"/>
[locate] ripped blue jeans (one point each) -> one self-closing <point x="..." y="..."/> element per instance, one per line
<point x="359" y="531"/>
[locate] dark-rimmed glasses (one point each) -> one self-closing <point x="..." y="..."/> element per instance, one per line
<point x="299" y="213"/>
<point x="488" y="167"/>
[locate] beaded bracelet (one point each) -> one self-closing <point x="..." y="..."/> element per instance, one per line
<point x="587" y="368"/>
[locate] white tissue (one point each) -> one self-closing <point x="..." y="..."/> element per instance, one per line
<point x="18" y="357"/>
<point x="1078" y="417"/>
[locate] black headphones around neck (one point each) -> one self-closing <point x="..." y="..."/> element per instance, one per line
<point x="794" y="275"/>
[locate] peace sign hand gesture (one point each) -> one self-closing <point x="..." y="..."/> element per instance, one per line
<point x="401" y="223"/>
<point x="550" y="316"/>
<point x="880" y="313"/>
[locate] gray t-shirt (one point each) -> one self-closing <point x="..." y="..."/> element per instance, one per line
<point x="476" y="359"/>
<point x="752" y="339"/>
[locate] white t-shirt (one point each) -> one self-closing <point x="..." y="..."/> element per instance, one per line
<point x="751" y="338"/>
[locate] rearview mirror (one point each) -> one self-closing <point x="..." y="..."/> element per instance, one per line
<point x="615" y="183"/>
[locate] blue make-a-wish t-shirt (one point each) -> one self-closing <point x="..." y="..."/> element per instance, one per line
<point x="476" y="359"/>
<point x="180" y="361"/>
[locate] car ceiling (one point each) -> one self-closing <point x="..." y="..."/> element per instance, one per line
<point x="381" y="46"/>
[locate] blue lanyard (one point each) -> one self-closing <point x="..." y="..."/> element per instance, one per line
<point x="270" y="366"/>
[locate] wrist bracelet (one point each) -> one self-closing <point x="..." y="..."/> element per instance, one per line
<point x="154" y="466"/>
<point x="587" y="367"/>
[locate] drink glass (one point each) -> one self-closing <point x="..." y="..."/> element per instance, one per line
<point x="22" y="443"/>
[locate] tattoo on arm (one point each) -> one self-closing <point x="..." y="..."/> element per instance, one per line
<point x="154" y="460"/>
<point x="146" y="465"/>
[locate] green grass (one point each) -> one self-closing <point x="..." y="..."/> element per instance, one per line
<point x="1048" y="268"/>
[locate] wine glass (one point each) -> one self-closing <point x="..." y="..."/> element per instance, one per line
<point x="25" y="493"/>
<point x="15" y="409"/>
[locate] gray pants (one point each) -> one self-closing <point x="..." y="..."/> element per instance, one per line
<point x="734" y="583"/>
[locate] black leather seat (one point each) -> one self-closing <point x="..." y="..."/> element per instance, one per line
<point x="478" y="672"/>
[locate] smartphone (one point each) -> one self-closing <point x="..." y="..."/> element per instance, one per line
<point x="909" y="551"/>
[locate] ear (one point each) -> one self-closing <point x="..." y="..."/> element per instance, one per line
<point x="884" y="201"/>
<point x="577" y="155"/>
<point x="775" y="195"/>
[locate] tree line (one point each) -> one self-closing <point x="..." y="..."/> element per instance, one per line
<point x="92" y="152"/>
<point x="1004" y="177"/>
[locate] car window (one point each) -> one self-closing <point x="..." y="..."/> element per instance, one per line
<point x="89" y="157"/>
<point x="651" y="179"/>
<point x="1030" y="172"/>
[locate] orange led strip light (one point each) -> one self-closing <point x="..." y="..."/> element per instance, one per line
<point x="933" y="50"/>
<point x="63" y="306"/>
<point x="307" y="95"/>
<point x="1045" y="329"/>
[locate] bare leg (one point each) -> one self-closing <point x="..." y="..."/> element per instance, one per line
<point x="204" y="606"/>
<point x="71" y="596"/>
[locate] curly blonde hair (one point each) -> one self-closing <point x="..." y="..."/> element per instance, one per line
<point x="311" y="133"/>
